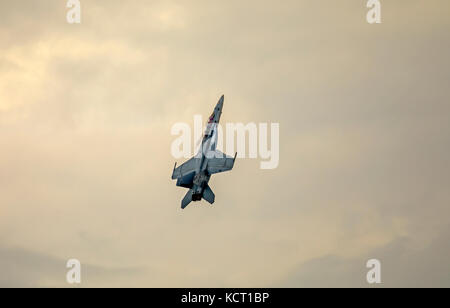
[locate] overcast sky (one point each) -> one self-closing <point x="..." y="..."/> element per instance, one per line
<point x="86" y="112"/>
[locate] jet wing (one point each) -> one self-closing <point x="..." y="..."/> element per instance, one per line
<point x="188" y="167"/>
<point x="220" y="163"/>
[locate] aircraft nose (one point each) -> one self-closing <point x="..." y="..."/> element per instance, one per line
<point x="221" y="100"/>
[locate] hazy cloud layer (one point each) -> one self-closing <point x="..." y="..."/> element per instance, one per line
<point x="22" y="268"/>
<point x="402" y="264"/>
<point x="85" y="118"/>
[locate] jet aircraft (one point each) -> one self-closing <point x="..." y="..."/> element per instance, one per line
<point x="196" y="172"/>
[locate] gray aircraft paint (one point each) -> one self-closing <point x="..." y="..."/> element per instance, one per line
<point x="196" y="172"/>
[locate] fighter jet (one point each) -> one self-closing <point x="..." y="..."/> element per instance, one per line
<point x="196" y="172"/>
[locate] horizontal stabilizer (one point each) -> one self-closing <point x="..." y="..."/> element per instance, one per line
<point x="187" y="199"/>
<point x="208" y="195"/>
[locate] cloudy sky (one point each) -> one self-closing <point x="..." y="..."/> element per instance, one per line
<point x="86" y="112"/>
